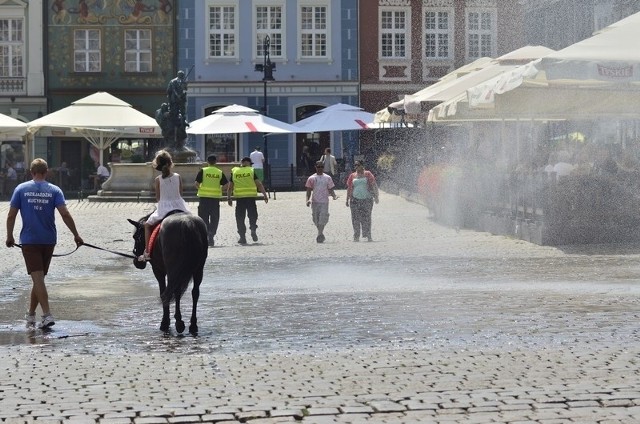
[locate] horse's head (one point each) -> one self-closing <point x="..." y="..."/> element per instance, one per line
<point x="138" y="242"/>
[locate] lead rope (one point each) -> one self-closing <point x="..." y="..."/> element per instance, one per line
<point x="126" y="255"/>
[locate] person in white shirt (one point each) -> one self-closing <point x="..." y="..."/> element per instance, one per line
<point x="102" y="174"/>
<point x="11" y="172"/>
<point x="103" y="171"/>
<point x="258" y="163"/>
<point x="11" y="179"/>
<point x="330" y="164"/>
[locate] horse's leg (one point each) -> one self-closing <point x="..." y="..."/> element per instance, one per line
<point x="178" y="316"/>
<point x="164" y="325"/>
<point x="195" y="295"/>
<point x="162" y="284"/>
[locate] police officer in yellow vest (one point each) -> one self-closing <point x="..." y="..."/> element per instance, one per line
<point x="244" y="186"/>
<point x="210" y="182"/>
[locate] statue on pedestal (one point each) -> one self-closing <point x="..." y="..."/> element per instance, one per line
<point x="172" y="119"/>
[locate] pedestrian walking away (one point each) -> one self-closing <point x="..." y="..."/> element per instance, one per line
<point x="210" y="183"/>
<point x="257" y="160"/>
<point x="37" y="200"/>
<point x="330" y="164"/>
<point x="244" y="186"/>
<point x="168" y="187"/>
<point x="362" y="191"/>
<point x="305" y="163"/>
<point x="319" y="188"/>
<point x="11" y="180"/>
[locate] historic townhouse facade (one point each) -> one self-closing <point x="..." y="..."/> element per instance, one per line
<point x="22" y="87"/>
<point x="127" y="49"/>
<point x="416" y="42"/>
<point x="313" y="60"/>
<point x="559" y="23"/>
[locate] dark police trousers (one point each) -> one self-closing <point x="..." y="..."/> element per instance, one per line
<point x="246" y="207"/>
<point x="209" y="211"/>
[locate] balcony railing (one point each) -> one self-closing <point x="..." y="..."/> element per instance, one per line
<point x="12" y="86"/>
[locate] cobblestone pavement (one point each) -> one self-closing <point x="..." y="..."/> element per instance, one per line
<point x="425" y="324"/>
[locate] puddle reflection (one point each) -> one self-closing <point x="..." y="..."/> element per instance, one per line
<point x="277" y="305"/>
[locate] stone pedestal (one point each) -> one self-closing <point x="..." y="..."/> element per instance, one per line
<point x="133" y="182"/>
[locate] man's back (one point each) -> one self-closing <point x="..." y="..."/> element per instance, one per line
<point x="37" y="201"/>
<point x="330" y="163"/>
<point x="257" y="158"/>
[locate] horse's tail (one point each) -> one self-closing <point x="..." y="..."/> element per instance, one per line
<point x="184" y="251"/>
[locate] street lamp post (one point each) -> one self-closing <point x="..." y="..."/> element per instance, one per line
<point x="267" y="68"/>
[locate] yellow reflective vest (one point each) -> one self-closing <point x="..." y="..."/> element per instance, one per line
<point x="210" y="187"/>
<point x="243" y="182"/>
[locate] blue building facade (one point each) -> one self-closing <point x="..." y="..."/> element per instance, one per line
<point x="314" y="47"/>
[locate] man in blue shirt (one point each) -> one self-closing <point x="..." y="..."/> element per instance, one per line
<point x="37" y="201"/>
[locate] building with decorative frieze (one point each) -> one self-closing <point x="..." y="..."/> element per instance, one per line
<point x="127" y="49"/>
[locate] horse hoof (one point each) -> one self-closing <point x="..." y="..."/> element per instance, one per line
<point x="193" y="330"/>
<point x="179" y="327"/>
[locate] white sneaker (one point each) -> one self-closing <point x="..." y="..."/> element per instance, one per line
<point x="47" y="321"/>
<point x="31" y="319"/>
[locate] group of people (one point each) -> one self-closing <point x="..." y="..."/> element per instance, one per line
<point x="307" y="165"/>
<point x="62" y="175"/>
<point x="242" y="186"/>
<point x="10" y="179"/>
<point x="362" y="192"/>
<point x="37" y="200"/>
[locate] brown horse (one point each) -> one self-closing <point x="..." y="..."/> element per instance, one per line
<point x="177" y="257"/>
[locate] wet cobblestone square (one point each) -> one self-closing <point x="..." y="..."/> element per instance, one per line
<point x="425" y="324"/>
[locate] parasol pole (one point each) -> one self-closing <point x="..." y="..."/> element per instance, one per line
<point x="101" y="148"/>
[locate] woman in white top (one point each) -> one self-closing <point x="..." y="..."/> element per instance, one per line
<point x="168" y="194"/>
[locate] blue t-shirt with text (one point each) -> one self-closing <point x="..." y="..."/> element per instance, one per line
<point x="37" y="202"/>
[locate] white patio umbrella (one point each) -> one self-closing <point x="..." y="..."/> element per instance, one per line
<point x="338" y="117"/>
<point x="389" y="125"/>
<point x="238" y="119"/>
<point x="11" y="127"/>
<point x="100" y="118"/>
<point x="596" y="77"/>
<point x="410" y="103"/>
<point x="339" y="106"/>
<point x="458" y="81"/>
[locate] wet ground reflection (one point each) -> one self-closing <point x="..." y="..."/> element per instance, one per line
<point x="272" y="305"/>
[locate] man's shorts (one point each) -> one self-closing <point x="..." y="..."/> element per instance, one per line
<point x="37" y="257"/>
<point x="320" y="213"/>
<point x="259" y="173"/>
